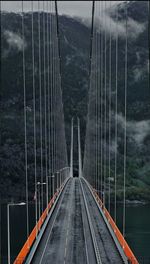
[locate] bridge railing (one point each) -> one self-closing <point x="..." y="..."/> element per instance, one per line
<point x="124" y="245"/>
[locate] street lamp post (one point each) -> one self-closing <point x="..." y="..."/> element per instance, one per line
<point x="39" y="202"/>
<point x="60" y="179"/>
<point x="65" y="168"/>
<point x="57" y="173"/>
<point x="49" y="184"/>
<point x="53" y="176"/>
<point x="8" y="226"/>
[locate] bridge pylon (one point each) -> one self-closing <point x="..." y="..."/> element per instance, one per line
<point x="71" y="150"/>
<point x="79" y="150"/>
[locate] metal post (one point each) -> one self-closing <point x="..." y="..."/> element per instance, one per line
<point x="49" y="184"/>
<point x="8" y="233"/>
<point x="40" y="184"/>
<point x="60" y="179"/>
<point x="39" y="205"/>
<point x="36" y="208"/>
<point x="49" y="187"/>
<point x="47" y="193"/>
<point x="57" y="179"/>
<point x="53" y="185"/>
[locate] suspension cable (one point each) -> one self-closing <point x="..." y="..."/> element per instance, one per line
<point x="40" y="98"/>
<point x="47" y="106"/>
<point x="53" y="81"/>
<point x="49" y="97"/>
<point x="116" y="118"/>
<point x="51" y="89"/>
<point x="54" y="91"/>
<point x="55" y="96"/>
<point x="95" y="84"/>
<point x="99" y="94"/>
<point x="25" y="123"/>
<point x="101" y="104"/>
<point x="125" y="124"/>
<point x="45" y="100"/>
<point x="50" y="73"/>
<point x="105" y="112"/>
<point x="109" y="198"/>
<point x="96" y="55"/>
<point x="34" y="116"/>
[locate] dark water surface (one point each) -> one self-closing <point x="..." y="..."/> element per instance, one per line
<point x="17" y="230"/>
<point x="137" y="230"/>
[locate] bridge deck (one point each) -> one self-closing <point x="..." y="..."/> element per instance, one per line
<point x="68" y="237"/>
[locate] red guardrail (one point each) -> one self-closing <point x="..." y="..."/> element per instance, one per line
<point x="32" y="237"/>
<point x="127" y="251"/>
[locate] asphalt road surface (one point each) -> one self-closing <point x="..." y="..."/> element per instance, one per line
<point x="76" y="233"/>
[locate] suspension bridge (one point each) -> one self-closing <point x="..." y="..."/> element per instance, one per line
<point x="74" y="218"/>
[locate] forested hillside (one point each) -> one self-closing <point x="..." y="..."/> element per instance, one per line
<point x="75" y="48"/>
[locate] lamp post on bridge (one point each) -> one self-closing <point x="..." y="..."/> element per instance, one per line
<point x="58" y="180"/>
<point x="57" y="173"/>
<point x="52" y="183"/>
<point x="53" y="176"/>
<point x="8" y="225"/>
<point x="39" y="202"/>
<point x="61" y="170"/>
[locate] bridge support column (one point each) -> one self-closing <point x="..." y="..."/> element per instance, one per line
<point x="79" y="150"/>
<point x="71" y="151"/>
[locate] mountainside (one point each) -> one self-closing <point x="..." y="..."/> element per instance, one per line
<point x="75" y="46"/>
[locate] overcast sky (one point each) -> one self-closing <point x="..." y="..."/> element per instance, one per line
<point x="71" y="8"/>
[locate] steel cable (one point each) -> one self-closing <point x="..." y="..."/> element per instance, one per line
<point x="25" y="122"/>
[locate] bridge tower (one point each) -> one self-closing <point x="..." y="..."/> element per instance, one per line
<point x="71" y="150"/>
<point x="79" y="150"/>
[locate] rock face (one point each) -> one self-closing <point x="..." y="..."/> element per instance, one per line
<point x="75" y="45"/>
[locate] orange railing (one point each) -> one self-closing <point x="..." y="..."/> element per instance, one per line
<point x="32" y="237"/>
<point x="127" y="251"/>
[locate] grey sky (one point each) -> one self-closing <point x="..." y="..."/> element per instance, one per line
<point x="71" y="8"/>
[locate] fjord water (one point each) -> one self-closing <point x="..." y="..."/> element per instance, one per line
<point x="137" y="229"/>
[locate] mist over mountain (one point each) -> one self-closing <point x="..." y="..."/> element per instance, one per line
<point x="75" y="47"/>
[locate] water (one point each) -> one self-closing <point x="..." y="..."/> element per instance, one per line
<point x="17" y="227"/>
<point x="137" y="230"/>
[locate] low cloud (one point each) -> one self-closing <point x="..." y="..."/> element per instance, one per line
<point x="105" y="22"/>
<point x="140" y="71"/>
<point x="14" y="40"/>
<point x="135" y="28"/>
<point x="138" y="130"/>
<point x="108" y="24"/>
<point x="113" y="146"/>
